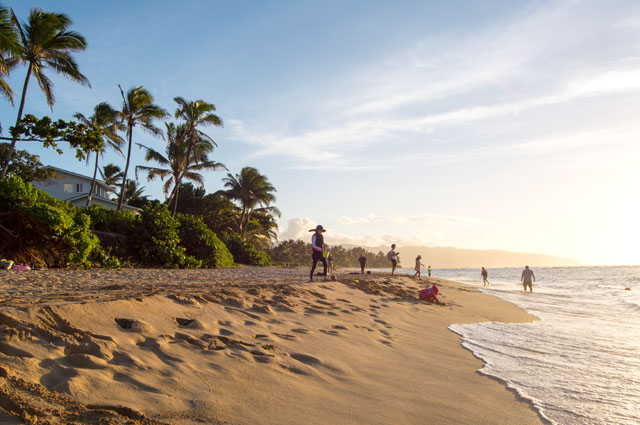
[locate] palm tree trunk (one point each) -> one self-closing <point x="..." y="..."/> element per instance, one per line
<point x="7" y="160"/>
<point x="179" y="177"/>
<point x="93" y="182"/>
<point x="175" y="200"/>
<point x="246" y="225"/>
<point x="126" y="168"/>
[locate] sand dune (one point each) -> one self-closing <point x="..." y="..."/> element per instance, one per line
<point x="243" y="346"/>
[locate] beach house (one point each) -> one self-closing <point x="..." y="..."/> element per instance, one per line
<point x="72" y="187"/>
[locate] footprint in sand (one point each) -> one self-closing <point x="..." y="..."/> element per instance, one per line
<point x="344" y="328"/>
<point x="285" y="336"/>
<point x="332" y="313"/>
<point x="225" y="332"/>
<point x="306" y="359"/>
<point x="300" y="330"/>
<point x="343" y="300"/>
<point x="333" y="333"/>
<point x="387" y="343"/>
<point x="188" y="323"/>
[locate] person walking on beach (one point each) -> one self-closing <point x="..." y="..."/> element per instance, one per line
<point x="429" y="271"/>
<point x="485" y="276"/>
<point x="417" y="268"/>
<point x="363" y="262"/>
<point x="526" y="276"/>
<point x="393" y="257"/>
<point x="317" y="242"/>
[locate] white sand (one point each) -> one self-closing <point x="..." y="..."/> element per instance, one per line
<point x="243" y="346"/>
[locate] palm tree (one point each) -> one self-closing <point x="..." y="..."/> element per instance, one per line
<point x="176" y="162"/>
<point x="133" y="193"/>
<point x="262" y="228"/>
<point x="137" y="109"/>
<point x="104" y="118"/>
<point x="8" y="47"/>
<point x="250" y="189"/>
<point x="197" y="113"/>
<point x="111" y="174"/>
<point x="44" y="42"/>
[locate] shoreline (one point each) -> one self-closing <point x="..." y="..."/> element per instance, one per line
<point x="243" y="345"/>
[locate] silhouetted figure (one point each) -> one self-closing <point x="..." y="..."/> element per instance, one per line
<point x="363" y="262"/>
<point x="527" y="275"/>
<point x="417" y="267"/>
<point x="485" y="276"/>
<point x="393" y="257"/>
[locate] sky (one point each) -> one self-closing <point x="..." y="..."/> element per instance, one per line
<point x="506" y="125"/>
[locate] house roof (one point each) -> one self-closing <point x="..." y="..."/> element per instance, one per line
<point x="88" y="179"/>
<point x="105" y="200"/>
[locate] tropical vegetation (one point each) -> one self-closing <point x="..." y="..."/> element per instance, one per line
<point x="189" y="228"/>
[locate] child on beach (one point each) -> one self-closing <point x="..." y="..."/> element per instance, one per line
<point x="429" y="294"/>
<point x="417" y="268"/>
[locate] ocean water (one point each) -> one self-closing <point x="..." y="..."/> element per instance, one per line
<point x="580" y="363"/>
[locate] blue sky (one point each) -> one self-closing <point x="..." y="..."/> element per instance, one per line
<point x="494" y="124"/>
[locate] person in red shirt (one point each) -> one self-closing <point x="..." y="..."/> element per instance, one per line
<point x="429" y="294"/>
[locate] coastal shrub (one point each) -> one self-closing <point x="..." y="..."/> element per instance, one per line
<point x="40" y="230"/>
<point x="202" y="243"/>
<point x="244" y="252"/>
<point x="159" y="241"/>
<point x="116" y="231"/>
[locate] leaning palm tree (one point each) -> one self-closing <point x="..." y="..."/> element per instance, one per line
<point x="137" y="109"/>
<point x="104" y="118"/>
<point x="251" y="189"/>
<point x="176" y="162"/>
<point x="8" y="47"/>
<point x="44" y="41"/>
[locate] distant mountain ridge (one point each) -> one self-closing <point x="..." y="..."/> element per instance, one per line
<point x="449" y="257"/>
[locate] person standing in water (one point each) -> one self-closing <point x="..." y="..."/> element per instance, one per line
<point x="526" y="276"/>
<point x="485" y="276"/>
<point x="393" y="257"/>
<point x="363" y="262"/>
<point x="317" y="244"/>
<point x="429" y="271"/>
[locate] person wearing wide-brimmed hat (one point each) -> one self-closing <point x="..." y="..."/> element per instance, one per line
<point x="317" y="243"/>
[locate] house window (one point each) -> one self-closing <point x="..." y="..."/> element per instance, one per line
<point x="68" y="188"/>
<point x="78" y="187"/>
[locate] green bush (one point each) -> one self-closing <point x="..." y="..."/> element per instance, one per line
<point x="159" y="240"/>
<point x="245" y="252"/>
<point x="41" y="230"/>
<point x="202" y="243"/>
<point x="116" y="230"/>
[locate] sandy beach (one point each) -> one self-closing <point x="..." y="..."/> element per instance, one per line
<point x="243" y="346"/>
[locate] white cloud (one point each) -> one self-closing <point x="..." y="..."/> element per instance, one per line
<point x="298" y="228"/>
<point x="421" y="218"/>
<point x="445" y="83"/>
